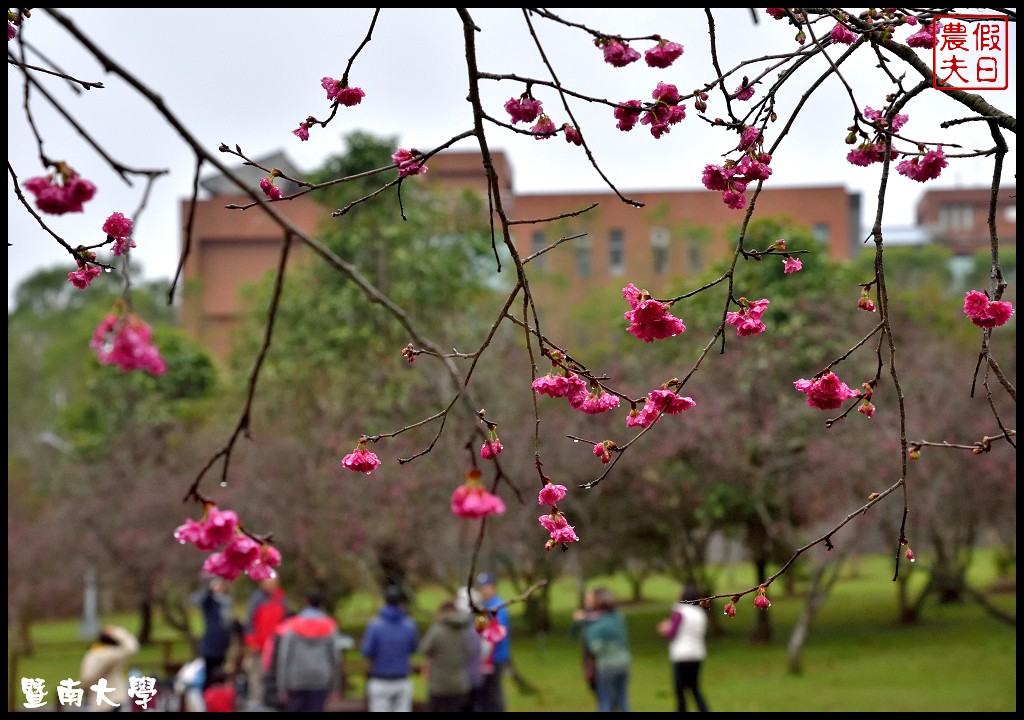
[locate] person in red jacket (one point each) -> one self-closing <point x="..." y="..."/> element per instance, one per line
<point x="267" y="608"/>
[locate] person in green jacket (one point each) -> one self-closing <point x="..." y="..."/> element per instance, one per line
<point x="607" y="638"/>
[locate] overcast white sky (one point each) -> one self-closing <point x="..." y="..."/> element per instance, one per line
<point x="249" y="76"/>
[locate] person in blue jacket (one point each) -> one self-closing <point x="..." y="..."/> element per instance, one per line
<point x="492" y="695"/>
<point x="388" y="644"/>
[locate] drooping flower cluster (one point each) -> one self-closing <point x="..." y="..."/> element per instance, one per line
<point x="492" y="445"/>
<point x="603" y="449"/>
<point x="744" y="91"/>
<point x="118" y="227"/>
<point x="878" y="119"/>
<point x="302" y="131"/>
<point x="732" y="178"/>
<point x="827" y="392"/>
<point x="232" y="552"/>
<point x="649" y="319"/>
<point x="62" y="191"/>
<point x="864" y="302"/>
<point x="408" y="162"/>
<point x="572" y="135"/>
<point x="665" y="111"/>
<point x="560" y="385"/>
<point x="925" y="37"/>
<point x="762" y="601"/>
<point x="269" y="189"/>
<point x="842" y="35"/>
<point x="523" y="109"/>
<point x="544" y="128"/>
<point x="747" y="320"/>
<point x="551" y="494"/>
<point x="361" y="459"/>
<point x="86" y="272"/>
<point x="866" y="407"/>
<point x="986" y="313"/>
<point x="663" y="54"/>
<point x="594" y="401"/>
<point x="558" y="528"/>
<point x="617" y="53"/>
<point x="342" y="94"/>
<point x="490" y="628"/>
<point x="628" y="115"/>
<point x="472" y="501"/>
<point x="924" y="167"/>
<point x="125" y="340"/>
<point x="656" y="403"/>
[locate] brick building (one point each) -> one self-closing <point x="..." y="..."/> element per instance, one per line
<point x="674" y="234"/>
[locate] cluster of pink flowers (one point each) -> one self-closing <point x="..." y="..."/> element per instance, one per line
<point x="618" y="53"/>
<point x="565" y="384"/>
<point x="572" y="135"/>
<point x="924" y="167"/>
<point x="238" y="553"/>
<point x="523" y="109"/>
<point x="361" y="459"/>
<point x="986" y="313"/>
<point x="665" y="111"/>
<point x="551" y="494"/>
<point x="873" y="151"/>
<point x="490" y="628"/>
<point x="492" y="446"/>
<point x="747" y="320"/>
<point x="744" y="91"/>
<point x="657" y="402"/>
<point x="544" y="128"/>
<point x="827" y="392"/>
<point x="878" y="119"/>
<point x="472" y="501"/>
<point x="594" y="401"/>
<point x="603" y="450"/>
<point x="62" y="191"/>
<point x="866" y="407"/>
<point x="869" y="153"/>
<point x="342" y="94"/>
<point x="762" y="601"/>
<point x="649" y="319"/>
<point x="842" y="35"/>
<point x="269" y="189"/>
<point x="86" y="272"/>
<point x="408" y="162"/>
<point x="925" y="37"/>
<point x="558" y="527"/>
<point x="118" y="227"/>
<point x="125" y="340"/>
<point x="302" y="131"/>
<point x="864" y="302"/>
<point x="732" y="178"/>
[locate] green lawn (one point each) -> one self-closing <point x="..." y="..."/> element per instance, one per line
<point x="858" y="658"/>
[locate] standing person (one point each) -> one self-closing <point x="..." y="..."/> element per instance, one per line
<point x="685" y="631"/>
<point x="218" y="620"/>
<point x="388" y="643"/>
<point x="306" y="658"/>
<point x="266" y="609"/>
<point x="479" y="649"/>
<point x="103" y="673"/>
<point x="446" y="650"/>
<point x="493" y="690"/>
<point x="607" y="638"/>
<point x="580" y="619"/>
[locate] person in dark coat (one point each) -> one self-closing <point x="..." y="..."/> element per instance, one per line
<point x="218" y="624"/>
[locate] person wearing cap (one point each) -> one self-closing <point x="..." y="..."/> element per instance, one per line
<point x="493" y="691"/>
<point x="388" y="644"/>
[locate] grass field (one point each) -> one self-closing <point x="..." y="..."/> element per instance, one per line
<point x="858" y="658"/>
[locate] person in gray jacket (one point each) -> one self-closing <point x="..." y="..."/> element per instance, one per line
<point x="447" y="651"/>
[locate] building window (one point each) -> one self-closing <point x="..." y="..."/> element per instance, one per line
<point x="956" y="216"/>
<point x="661" y="238"/>
<point x="581" y="250"/>
<point x="616" y="252"/>
<point x="538" y="243"/>
<point x="822" y="232"/>
<point x="696" y="256"/>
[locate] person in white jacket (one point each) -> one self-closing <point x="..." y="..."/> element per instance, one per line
<point x="103" y="673"/>
<point x="685" y="631"/>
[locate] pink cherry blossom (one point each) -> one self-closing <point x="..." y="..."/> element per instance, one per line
<point x="471" y="500"/>
<point x="777" y="13"/>
<point x="189" y="532"/>
<point x="986" y="313"/>
<point x="361" y="460"/>
<point x="61" y="192"/>
<point x="594" y="402"/>
<point x="924" y="168"/>
<point x="544" y="129"/>
<point x="602" y="451"/>
<point x="242" y="551"/>
<point x="744" y="91"/>
<point x="748" y="137"/>
<point x="84" y="275"/>
<point x="218" y="564"/>
<point x="490" y="449"/>
<point x="618" y="54"/>
<point x="408" y="163"/>
<point x="302" y="131"/>
<point x="868" y="153"/>
<point x="827" y="392"/>
<point x="347" y="96"/>
<point x="219" y="527"/>
<point x="627" y="114"/>
<point x="560" y="386"/>
<point x="880" y="122"/>
<point x="572" y="135"/>
<point x="493" y="631"/>
<point x="663" y="54"/>
<point x="841" y="34"/>
<point x="523" y="109"/>
<point x="747" y="320"/>
<point x="925" y="37"/>
<point x="558" y="528"/>
<point x="729" y="609"/>
<point x="762" y="602"/>
<point x="271" y="190"/>
<point x="551" y="494"/>
<point x="867" y="408"/>
<point x="127" y="342"/>
<point x="791" y="264"/>
<point x="263" y="567"/>
<point x="864" y="302"/>
<point x="117" y="226"/>
<point x="650" y="319"/>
